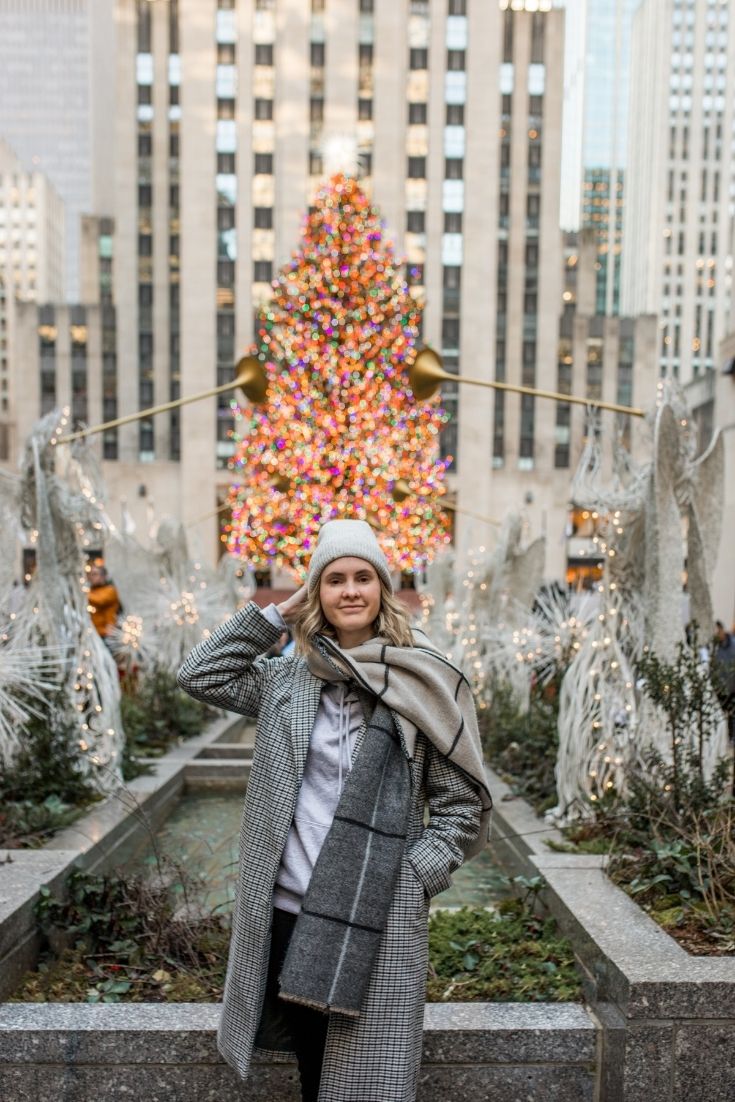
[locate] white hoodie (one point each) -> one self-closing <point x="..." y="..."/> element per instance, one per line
<point x="328" y="764"/>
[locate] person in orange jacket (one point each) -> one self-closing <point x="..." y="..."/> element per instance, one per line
<point x="104" y="601"/>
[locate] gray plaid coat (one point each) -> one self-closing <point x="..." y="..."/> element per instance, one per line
<point x="376" y="1057"/>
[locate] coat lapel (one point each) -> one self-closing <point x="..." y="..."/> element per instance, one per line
<point x="304" y="705"/>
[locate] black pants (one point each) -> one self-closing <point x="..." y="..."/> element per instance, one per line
<point x="308" y="1028"/>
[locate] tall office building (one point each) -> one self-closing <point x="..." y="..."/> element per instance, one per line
<point x="31" y="271"/>
<point x="32" y="232"/>
<point x="57" y="102"/>
<point x="7" y="377"/>
<point x="230" y="114"/>
<point x="596" y="93"/>
<point x="677" y="246"/>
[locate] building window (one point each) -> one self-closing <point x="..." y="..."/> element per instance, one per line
<point x="225" y="218"/>
<point x="453" y="168"/>
<point x="457" y="7"/>
<point x="418" y="59"/>
<point x="452" y="221"/>
<point x="538" y="24"/>
<point x="263" y="271"/>
<point x="527" y="425"/>
<point x="456" y="61"/>
<point x="417" y="168"/>
<point x="508" y="36"/>
<point x="263" y="108"/>
<point x="263" y="164"/>
<point x="499" y="428"/>
<point x="263" y="53"/>
<point x="364" y="109"/>
<point x="450" y="333"/>
<point x="316" y="109"/>
<point x="317" y="53"/>
<point x="417" y="113"/>
<point x="415" y="221"/>
<point x="263" y="218"/>
<point x="455" y="114"/>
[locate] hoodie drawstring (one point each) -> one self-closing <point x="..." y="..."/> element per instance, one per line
<point x="344" y="750"/>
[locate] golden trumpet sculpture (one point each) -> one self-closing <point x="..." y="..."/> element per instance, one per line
<point x="426" y="375"/>
<point x="251" y="380"/>
<point x="401" y="490"/>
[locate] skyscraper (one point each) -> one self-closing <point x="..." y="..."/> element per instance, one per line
<point x="230" y="115"/>
<point x="32" y="237"/>
<point x="597" y="83"/>
<point x="57" y="102"/>
<point x="677" y="247"/>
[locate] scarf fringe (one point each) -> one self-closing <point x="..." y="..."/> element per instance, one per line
<point x="314" y="1004"/>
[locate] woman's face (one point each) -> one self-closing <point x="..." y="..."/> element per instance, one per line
<point x="349" y="592"/>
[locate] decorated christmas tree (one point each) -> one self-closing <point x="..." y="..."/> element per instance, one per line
<point x="340" y="435"/>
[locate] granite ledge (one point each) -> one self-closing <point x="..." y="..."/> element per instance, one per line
<point x="460" y="1033"/>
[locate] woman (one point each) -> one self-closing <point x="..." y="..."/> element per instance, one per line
<point x="358" y="733"/>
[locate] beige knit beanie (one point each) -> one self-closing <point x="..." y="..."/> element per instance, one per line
<point x="340" y="538"/>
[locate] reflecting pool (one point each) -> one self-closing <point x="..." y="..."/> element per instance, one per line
<point x="201" y="833"/>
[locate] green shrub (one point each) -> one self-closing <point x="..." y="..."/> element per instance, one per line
<point x="523" y="745"/>
<point x="156" y="713"/>
<point x="129" y="938"/>
<point x="674" y="832"/>
<point x="133" y="939"/>
<point x="43" y="790"/>
<point x="508" y="954"/>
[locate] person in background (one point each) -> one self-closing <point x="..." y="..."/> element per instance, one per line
<point x="723" y="674"/>
<point x="104" y="601"/>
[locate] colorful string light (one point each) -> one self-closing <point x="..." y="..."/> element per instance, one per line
<point x="341" y="426"/>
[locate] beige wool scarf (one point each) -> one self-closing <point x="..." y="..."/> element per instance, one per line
<point x="426" y="692"/>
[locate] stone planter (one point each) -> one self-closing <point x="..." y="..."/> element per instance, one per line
<point x="667" y="1018"/>
<point x="168" y="1053"/>
<point x="75" y="1052"/>
<point x="99" y="840"/>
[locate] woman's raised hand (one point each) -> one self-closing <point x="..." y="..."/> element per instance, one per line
<point x="292" y="608"/>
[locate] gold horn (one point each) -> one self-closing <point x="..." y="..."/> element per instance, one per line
<point x="252" y="379"/>
<point x="426" y="374"/>
<point x="280" y="482"/>
<point x="401" y="490"/>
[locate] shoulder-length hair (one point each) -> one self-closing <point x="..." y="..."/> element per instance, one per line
<point x="392" y="622"/>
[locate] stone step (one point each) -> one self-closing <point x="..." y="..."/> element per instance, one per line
<point x="235" y="751"/>
<point x="218" y="772"/>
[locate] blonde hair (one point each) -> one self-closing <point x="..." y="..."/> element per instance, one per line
<point x="392" y="622"/>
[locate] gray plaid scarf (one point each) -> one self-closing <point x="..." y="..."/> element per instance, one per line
<point x="337" y="933"/>
<point x="427" y="693"/>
